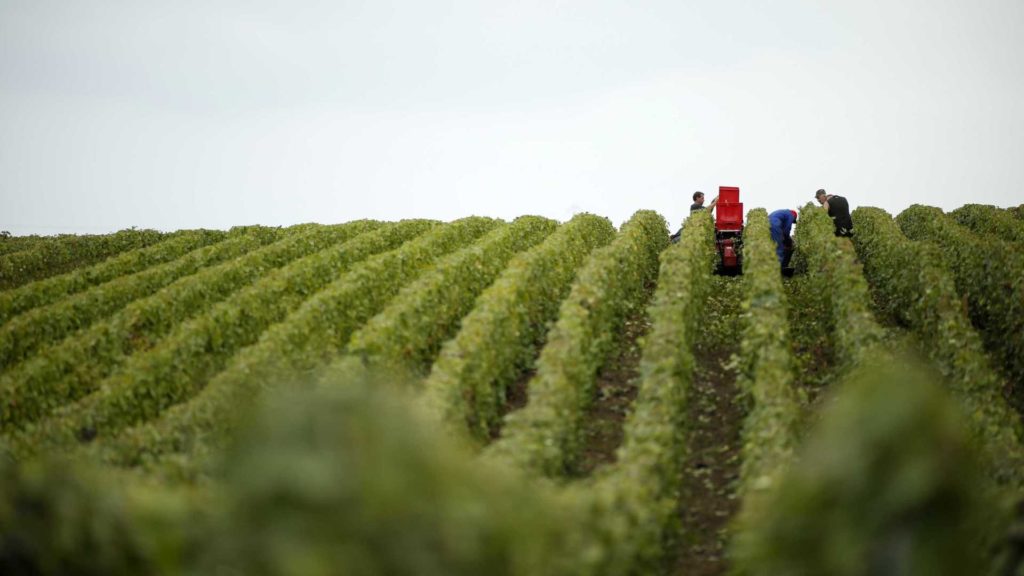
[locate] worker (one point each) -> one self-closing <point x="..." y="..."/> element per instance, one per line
<point x="780" y="223"/>
<point x="838" y="210"/>
<point x="698" y="202"/>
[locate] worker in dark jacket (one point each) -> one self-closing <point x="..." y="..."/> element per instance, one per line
<point x="838" y="210"/>
<point x="698" y="202"/>
<point x="780" y="223"/>
<point x="697" y="206"/>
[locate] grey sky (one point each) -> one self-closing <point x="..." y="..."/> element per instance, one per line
<point x="210" y="114"/>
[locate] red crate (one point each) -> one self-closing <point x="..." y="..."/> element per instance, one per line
<point x="728" y="195"/>
<point x="728" y="216"/>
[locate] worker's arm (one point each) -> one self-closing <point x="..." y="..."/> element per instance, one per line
<point x="713" y="202"/>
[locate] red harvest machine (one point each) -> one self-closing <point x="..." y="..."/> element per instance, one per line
<point x="729" y="231"/>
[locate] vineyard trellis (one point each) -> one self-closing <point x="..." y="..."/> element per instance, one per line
<point x="412" y="397"/>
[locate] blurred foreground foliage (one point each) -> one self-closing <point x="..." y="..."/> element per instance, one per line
<point x="344" y="477"/>
<point x="348" y="477"/>
<point x="888" y="483"/>
<point x="63" y="517"/>
<point x="352" y="479"/>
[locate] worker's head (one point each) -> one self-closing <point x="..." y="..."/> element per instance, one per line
<point x="698" y="197"/>
<point x="793" y="212"/>
<point x="820" y="196"/>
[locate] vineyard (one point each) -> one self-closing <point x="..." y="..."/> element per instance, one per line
<point x="525" y="397"/>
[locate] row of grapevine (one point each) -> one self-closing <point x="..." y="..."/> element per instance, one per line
<point x="11" y="244"/>
<point x="26" y="333"/>
<point x="918" y="290"/>
<point x="72" y="368"/>
<point x="771" y="427"/>
<point x="349" y="472"/>
<point x="628" y="507"/>
<point x="988" y="272"/>
<point x="63" y="517"/>
<point x="886" y="482"/>
<point x="199" y="348"/>
<point x="812" y="335"/>
<point x="349" y="475"/>
<point x="888" y="422"/>
<point x="990" y="220"/>
<point x="832" y="265"/>
<point x="545" y="436"/>
<point x="380" y="492"/>
<point x="352" y="476"/>
<point x="308" y="338"/>
<point x="49" y="257"/>
<point x="500" y="336"/>
<point x="405" y="335"/>
<point x="410" y="332"/>
<point x="43" y="292"/>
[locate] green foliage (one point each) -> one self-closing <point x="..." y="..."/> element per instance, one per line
<point x="916" y="287"/>
<point x="26" y="333"/>
<point x="9" y="244"/>
<point x="499" y="338"/>
<point x="72" y="368"/>
<point x="885" y="485"/>
<point x="60" y="517"/>
<point x="184" y="361"/>
<point x="352" y="475"/>
<point x="51" y="256"/>
<point x="832" y="266"/>
<point x="409" y="333"/>
<point x="812" y="334"/>
<point x="629" y="506"/>
<point x="771" y="427"/>
<point x="988" y="272"/>
<point x="351" y="478"/>
<point x="50" y="290"/>
<point x="308" y="338"/>
<point x="991" y="220"/>
<point x="546" y="435"/>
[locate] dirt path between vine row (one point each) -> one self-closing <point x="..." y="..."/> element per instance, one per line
<point x="516" y="397"/>
<point x="708" y="498"/>
<point x="615" y="390"/>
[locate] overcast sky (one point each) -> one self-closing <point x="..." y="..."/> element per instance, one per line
<point x="205" y="113"/>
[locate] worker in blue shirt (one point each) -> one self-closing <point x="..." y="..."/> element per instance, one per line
<point x="781" y="223"/>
